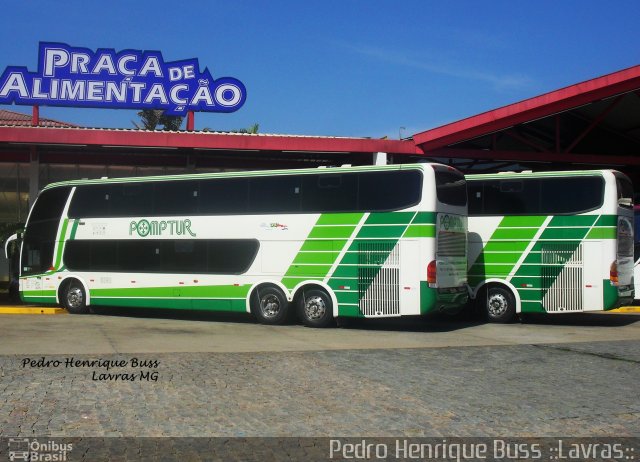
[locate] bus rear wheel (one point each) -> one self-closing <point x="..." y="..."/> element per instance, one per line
<point x="269" y="305"/>
<point x="499" y="304"/>
<point x="74" y="298"/>
<point x="315" y="308"/>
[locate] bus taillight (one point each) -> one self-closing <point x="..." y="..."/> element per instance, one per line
<point x="431" y="272"/>
<point x="613" y="273"/>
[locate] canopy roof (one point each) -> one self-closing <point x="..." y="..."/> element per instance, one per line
<point x="593" y="122"/>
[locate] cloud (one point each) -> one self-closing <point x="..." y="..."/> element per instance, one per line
<point x="500" y="81"/>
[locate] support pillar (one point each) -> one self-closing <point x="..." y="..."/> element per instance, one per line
<point x="190" y="121"/>
<point x="379" y="158"/>
<point x="35" y="116"/>
<point x="34" y="175"/>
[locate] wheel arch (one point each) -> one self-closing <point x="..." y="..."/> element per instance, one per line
<point x="66" y="280"/>
<point x="297" y="291"/>
<point x="502" y="282"/>
<point x="267" y="282"/>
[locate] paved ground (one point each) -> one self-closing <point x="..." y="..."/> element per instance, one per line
<point x="173" y="332"/>
<point x="207" y="375"/>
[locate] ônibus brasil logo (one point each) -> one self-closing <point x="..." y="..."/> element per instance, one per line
<point x="144" y="228"/>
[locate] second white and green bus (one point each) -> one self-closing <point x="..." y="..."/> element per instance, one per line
<point x="551" y="242"/>
<point x="375" y="241"/>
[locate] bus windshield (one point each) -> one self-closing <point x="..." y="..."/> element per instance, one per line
<point x="40" y="233"/>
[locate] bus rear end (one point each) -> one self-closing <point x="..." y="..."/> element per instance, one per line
<point x="447" y="272"/>
<point x="621" y="272"/>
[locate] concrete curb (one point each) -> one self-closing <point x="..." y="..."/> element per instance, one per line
<point x="31" y="310"/>
<point x="625" y="309"/>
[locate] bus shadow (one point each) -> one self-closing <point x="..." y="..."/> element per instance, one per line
<point x="182" y="315"/>
<point x="434" y="323"/>
<point x="603" y="319"/>
<point x="439" y="322"/>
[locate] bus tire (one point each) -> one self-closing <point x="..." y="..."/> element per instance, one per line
<point x="269" y="305"/>
<point x="315" y="308"/>
<point x="74" y="298"/>
<point x="499" y="304"/>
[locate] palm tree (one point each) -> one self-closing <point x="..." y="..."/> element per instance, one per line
<point x="151" y="118"/>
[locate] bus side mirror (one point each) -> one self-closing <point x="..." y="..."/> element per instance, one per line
<point x="12" y="238"/>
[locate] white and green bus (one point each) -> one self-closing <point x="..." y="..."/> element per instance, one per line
<point x="551" y="242"/>
<point x="374" y="241"/>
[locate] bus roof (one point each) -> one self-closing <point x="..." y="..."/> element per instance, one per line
<point x="530" y="174"/>
<point x="244" y="173"/>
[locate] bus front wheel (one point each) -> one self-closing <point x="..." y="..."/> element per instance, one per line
<point x="74" y="298"/>
<point x="499" y="304"/>
<point x="315" y="308"/>
<point x="269" y="305"/>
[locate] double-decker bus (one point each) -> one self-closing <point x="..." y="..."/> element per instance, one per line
<point x="551" y="242"/>
<point x="373" y="241"/>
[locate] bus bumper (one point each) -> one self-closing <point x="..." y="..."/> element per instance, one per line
<point x="447" y="300"/>
<point x="625" y="296"/>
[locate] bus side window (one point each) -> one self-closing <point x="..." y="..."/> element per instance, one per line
<point x="91" y="201"/>
<point x="131" y="199"/>
<point x="224" y="196"/>
<point x="385" y="191"/>
<point x="176" y="198"/>
<point x="274" y="194"/>
<point x="329" y="193"/>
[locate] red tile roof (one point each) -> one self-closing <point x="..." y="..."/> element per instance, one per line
<point x="19" y="119"/>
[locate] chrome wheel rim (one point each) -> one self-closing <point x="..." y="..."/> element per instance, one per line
<point x="497" y="305"/>
<point x="269" y="306"/>
<point x="315" y="308"/>
<point x="75" y="298"/>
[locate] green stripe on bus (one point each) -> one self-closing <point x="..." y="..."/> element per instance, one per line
<point x="323" y="246"/>
<point x="575" y="220"/>
<point x="222" y="291"/>
<point x="522" y="221"/>
<point x="607" y="220"/>
<point x="514" y="233"/>
<point x="38" y="299"/>
<point x="175" y="303"/>
<point x="420" y="231"/>
<point x="564" y="233"/>
<point x="291" y="281"/>
<point x="348" y="297"/>
<point x="333" y="230"/>
<point x="344" y="272"/>
<point x="308" y="270"/>
<point x="330" y="232"/>
<point x="602" y="233"/>
<point x="388" y="232"/>
<point x="343" y="284"/>
<point x="491" y="270"/>
<point x="496" y="246"/>
<point x="61" y="242"/>
<point x="339" y="219"/>
<point x="393" y="218"/>
<point x="532" y="307"/>
<point x="425" y="218"/>
<point x="74" y="229"/>
<point x="39" y="293"/>
<point x="506" y="257"/>
<point x="526" y="282"/>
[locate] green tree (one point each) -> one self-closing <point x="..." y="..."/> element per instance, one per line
<point x="252" y="129"/>
<point x="151" y="118"/>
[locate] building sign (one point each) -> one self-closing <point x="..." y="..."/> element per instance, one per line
<point x="129" y="79"/>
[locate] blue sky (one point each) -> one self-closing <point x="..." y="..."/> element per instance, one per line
<point x="344" y="68"/>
